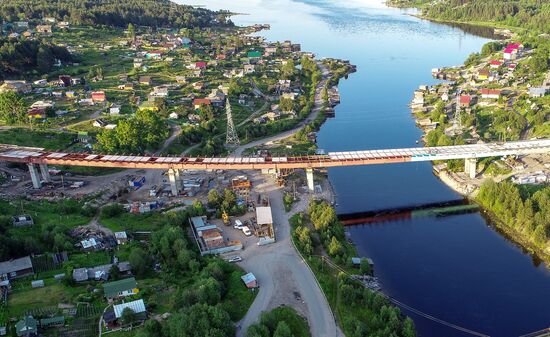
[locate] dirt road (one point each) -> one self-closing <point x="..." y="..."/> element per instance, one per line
<point x="282" y="274"/>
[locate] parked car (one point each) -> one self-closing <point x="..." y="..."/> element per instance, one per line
<point x="246" y="230"/>
<point x="238" y="224"/>
<point x="235" y="258"/>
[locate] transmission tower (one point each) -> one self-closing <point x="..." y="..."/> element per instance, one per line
<point x="231" y="139"/>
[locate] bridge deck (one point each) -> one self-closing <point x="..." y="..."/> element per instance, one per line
<point x="12" y="153"/>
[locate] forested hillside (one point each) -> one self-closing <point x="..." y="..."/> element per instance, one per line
<point x="20" y="56"/>
<point x="532" y="14"/>
<point x="155" y="13"/>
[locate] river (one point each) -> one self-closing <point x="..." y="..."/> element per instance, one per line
<point x="456" y="268"/>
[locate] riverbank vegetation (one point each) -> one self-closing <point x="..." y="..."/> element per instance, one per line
<point x="511" y="13"/>
<point x="279" y="322"/>
<point x="524" y="212"/>
<point x="359" y="311"/>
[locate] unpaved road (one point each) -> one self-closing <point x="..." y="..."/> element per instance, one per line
<point x="280" y="272"/>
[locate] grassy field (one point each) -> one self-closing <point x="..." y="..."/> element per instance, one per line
<point x="36" y="138"/>
<point x="22" y="301"/>
<point x="238" y="298"/>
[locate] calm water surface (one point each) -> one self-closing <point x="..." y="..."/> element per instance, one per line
<point x="455" y="268"/>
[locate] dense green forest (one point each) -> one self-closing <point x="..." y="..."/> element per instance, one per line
<point x="154" y="13"/>
<point x="18" y="57"/>
<point x="531" y="14"/>
<point x="524" y="211"/>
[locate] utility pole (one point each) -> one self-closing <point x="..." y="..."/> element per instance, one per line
<point x="231" y="139"/>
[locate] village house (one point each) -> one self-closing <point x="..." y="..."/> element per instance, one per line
<point x="65" y="80"/>
<point x="495" y="64"/>
<point x="159" y="91"/>
<point x="43" y="105"/>
<point x="63" y="25"/>
<point x="490" y="93"/>
<point x="198" y="102"/>
<point x="121" y="238"/>
<point x="154" y="54"/>
<point x="199" y="65"/>
<point x="22" y="221"/>
<point x="465" y="101"/>
<point x="16" y="268"/>
<point x="199" y="85"/>
<point x="537" y="92"/>
<point x="173" y="115"/>
<point x="36" y="113"/>
<point x="483" y="74"/>
<point x="112" y="315"/>
<point x="121" y="288"/>
<point x="27" y="327"/>
<point x="99" y="96"/>
<point x="114" y="109"/>
<point x="44" y="29"/>
<point x="216" y="98"/>
<point x="145" y="80"/>
<point x="181" y="79"/>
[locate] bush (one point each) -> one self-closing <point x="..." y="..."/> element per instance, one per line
<point x="112" y="210"/>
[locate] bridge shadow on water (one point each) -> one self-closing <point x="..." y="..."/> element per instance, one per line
<point x="438" y="209"/>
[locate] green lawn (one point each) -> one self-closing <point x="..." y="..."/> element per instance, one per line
<point x="46" y="139"/>
<point x="21" y="301"/>
<point x="238" y="298"/>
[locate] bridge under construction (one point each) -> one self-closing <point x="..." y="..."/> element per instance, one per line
<point x="38" y="159"/>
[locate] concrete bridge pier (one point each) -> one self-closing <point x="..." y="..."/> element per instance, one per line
<point x="310" y="181"/>
<point x="35" y="176"/>
<point x="174" y="179"/>
<point x="470" y="167"/>
<point x="45" y="173"/>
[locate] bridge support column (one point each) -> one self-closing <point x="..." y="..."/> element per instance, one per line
<point x="470" y="167"/>
<point x="35" y="176"/>
<point x="173" y="177"/>
<point x="45" y="173"/>
<point x="310" y="181"/>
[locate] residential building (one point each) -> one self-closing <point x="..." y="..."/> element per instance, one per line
<point x="241" y="186"/>
<point x="16" y="268"/>
<point x="120" y="288"/>
<point x="99" y="96"/>
<point x="537" y="92"/>
<point x="27" y="327"/>
<point x="22" y="220"/>
<point x="44" y="29"/>
<point x="121" y="238"/>
<point x="145" y="80"/>
<point x="198" y="102"/>
<point x="490" y="93"/>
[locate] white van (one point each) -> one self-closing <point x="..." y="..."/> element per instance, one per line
<point x="238" y="224"/>
<point x="246" y="230"/>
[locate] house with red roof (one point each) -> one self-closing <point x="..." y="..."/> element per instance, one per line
<point x="512" y="50"/>
<point x="99" y="96"/>
<point x="36" y="113"/>
<point x="198" y="102"/>
<point x="495" y="63"/>
<point x="490" y="93"/>
<point x="465" y="101"/>
<point x="200" y="65"/>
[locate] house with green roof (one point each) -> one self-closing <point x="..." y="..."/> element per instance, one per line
<point x="26" y="327"/>
<point x="120" y="288"/>
<point x="254" y="54"/>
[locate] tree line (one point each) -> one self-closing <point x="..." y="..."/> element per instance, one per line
<point x="153" y="13"/>
<point x="19" y="57"/>
<point x="525" y="213"/>
<point x="518" y="13"/>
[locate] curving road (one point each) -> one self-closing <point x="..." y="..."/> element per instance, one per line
<point x="280" y="272"/>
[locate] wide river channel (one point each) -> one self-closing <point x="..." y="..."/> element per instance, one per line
<point x="456" y="268"/>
